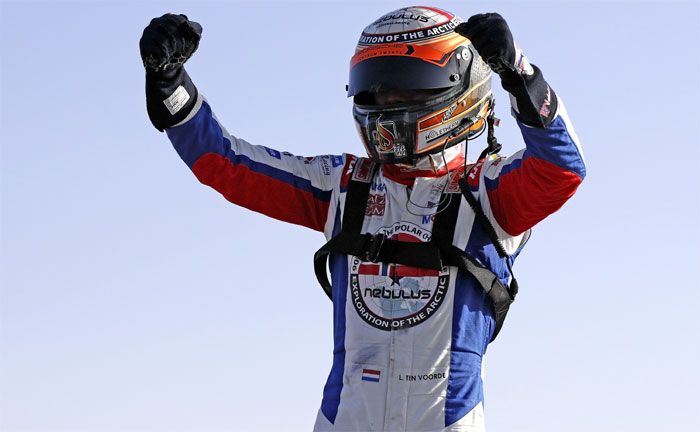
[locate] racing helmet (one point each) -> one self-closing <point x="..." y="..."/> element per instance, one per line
<point x="416" y="49"/>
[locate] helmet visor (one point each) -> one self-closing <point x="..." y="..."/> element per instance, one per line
<point x="379" y="74"/>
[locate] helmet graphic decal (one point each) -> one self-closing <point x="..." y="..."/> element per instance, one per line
<point x="385" y="135"/>
<point x="410" y="24"/>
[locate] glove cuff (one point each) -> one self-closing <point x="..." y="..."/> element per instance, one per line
<point x="533" y="100"/>
<point x="170" y="96"/>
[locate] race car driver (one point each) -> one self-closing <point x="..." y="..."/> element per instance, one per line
<point x="409" y="336"/>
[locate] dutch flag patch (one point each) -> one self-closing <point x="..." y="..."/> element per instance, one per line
<point x="370" y="375"/>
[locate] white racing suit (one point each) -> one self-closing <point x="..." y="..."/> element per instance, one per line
<point x="425" y="376"/>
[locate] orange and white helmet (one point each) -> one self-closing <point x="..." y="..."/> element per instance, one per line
<point x="410" y="49"/>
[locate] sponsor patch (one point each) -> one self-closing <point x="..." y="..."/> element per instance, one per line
<point x="336" y="161"/>
<point x="375" y="205"/>
<point x="544" y="109"/>
<point x="274" y="153"/>
<point x="347" y="171"/>
<point x="400" y="150"/>
<point x="521" y="62"/>
<point x="473" y="178"/>
<point x="409" y="24"/>
<point x="363" y="170"/>
<point x="325" y="167"/>
<point x="385" y="135"/>
<point x="177" y="100"/>
<point x="378" y="186"/>
<point x="497" y="161"/>
<point x="428" y="219"/>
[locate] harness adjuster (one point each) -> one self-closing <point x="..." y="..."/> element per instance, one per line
<point x="374" y="247"/>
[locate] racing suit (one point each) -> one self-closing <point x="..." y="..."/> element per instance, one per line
<point x="425" y="376"/>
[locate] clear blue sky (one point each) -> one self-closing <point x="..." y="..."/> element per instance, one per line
<point x="135" y="299"/>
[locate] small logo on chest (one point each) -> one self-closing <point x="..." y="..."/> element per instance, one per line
<point x="375" y="205"/>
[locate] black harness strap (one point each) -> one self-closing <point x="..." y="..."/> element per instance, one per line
<point x="356" y="201"/>
<point x="443" y="234"/>
<point x="445" y="220"/>
<point x="350" y="241"/>
<point x="498" y="292"/>
<point x="435" y="254"/>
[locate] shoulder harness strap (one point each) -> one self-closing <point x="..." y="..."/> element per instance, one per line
<point x="349" y="241"/>
<point x="443" y="234"/>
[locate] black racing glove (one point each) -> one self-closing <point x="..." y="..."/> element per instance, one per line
<point x="166" y="44"/>
<point x="533" y="100"/>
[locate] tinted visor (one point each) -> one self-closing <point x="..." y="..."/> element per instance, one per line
<point x="404" y="73"/>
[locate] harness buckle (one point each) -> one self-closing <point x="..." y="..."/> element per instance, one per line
<point x="374" y="248"/>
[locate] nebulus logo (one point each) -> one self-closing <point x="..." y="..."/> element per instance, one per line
<point x="385" y="135"/>
<point x="393" y="296"/>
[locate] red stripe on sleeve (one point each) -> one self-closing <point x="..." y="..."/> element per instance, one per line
<point x="260" y="193"/>
<point x="530" y="193"/>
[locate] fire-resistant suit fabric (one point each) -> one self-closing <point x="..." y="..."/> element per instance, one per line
<point x="408" y="342"/>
